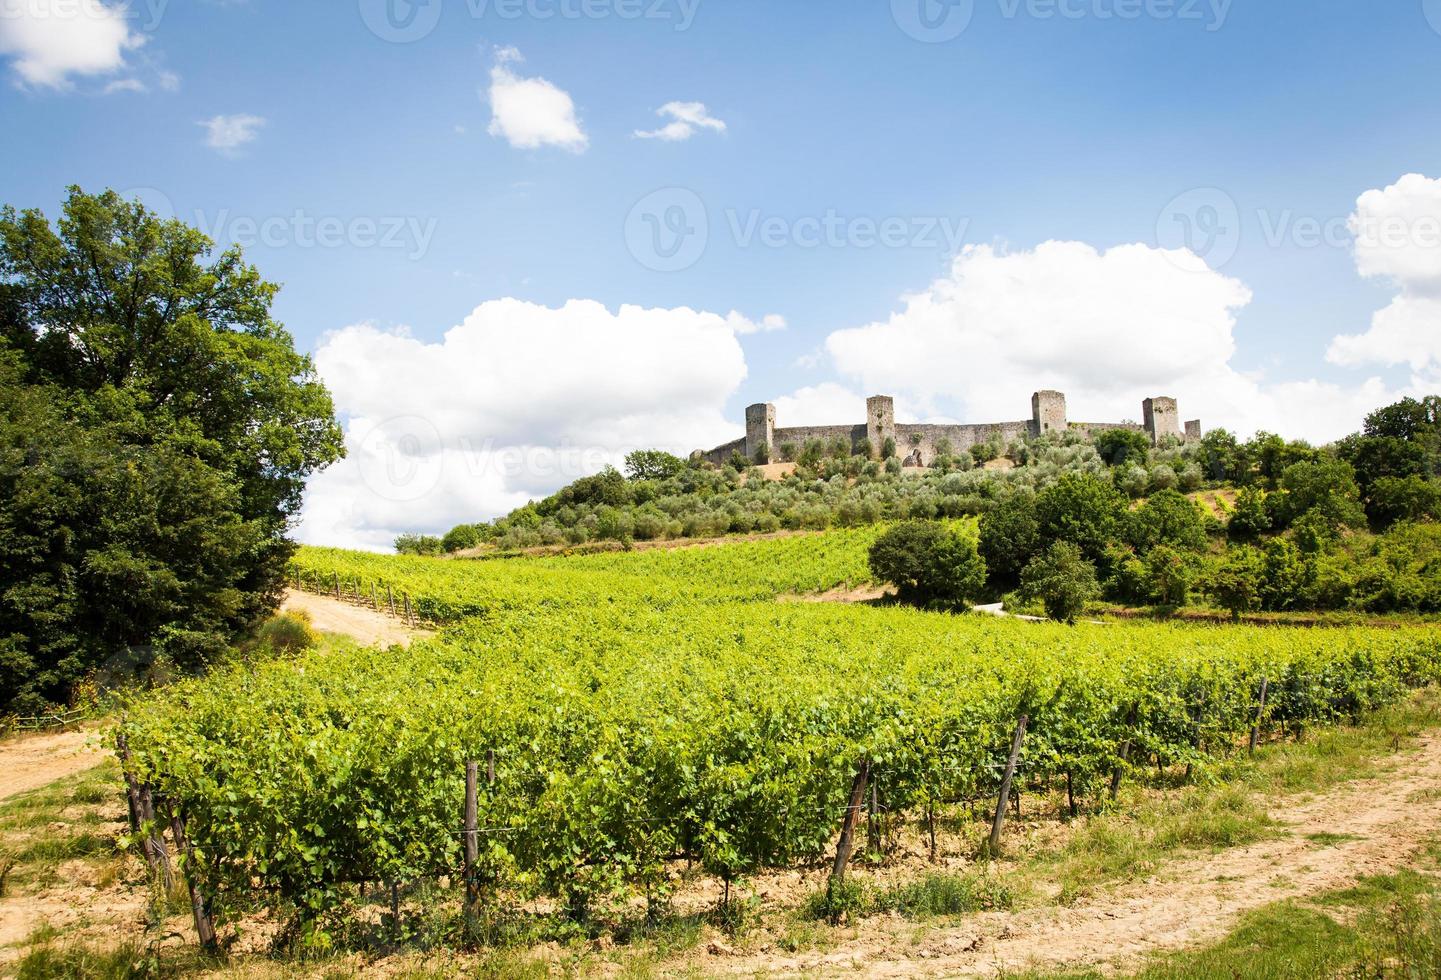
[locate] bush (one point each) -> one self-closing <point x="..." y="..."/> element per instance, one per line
<point x="288" y="633"/>
<point x="1119" y="447"/>
<point x="1251" y="517"/>
<point x="418" y="544"/>
<point x="929" y="564"/>
<point x="1169" y="573"/>
<point x="1411" y="498"/>
<point x="464" y="536"/>
<point x="1010" y="537"/>
<point x="1062" y="580"/>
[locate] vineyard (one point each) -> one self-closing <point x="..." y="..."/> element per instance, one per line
<point x="631" y="710"/>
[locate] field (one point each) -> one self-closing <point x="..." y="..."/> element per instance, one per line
<point x="649" y="712"/>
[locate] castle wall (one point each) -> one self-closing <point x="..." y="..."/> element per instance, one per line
<point x="918" y="443"/>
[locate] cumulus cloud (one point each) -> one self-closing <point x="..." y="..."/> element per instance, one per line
<point x="1398" y="239"/>
<point x="228" y="133"/>
<point x="513" y="403"/>
<point x="686" y="119"/>
<point x="531" y="112"/>
<point x="50" y="41"/>
<point x="1109" y="328"/>
<point x="742" y="324"/>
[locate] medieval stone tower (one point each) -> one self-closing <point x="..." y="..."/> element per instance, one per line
<point x="880" y="423"/>
<point x="1161" y="418"/>
<point x="760" y="432"/>
<point x="1048" y="412"/>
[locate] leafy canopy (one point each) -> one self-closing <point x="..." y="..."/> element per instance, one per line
<point x="158" y="430"/>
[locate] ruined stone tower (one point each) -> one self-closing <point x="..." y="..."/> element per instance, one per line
<point x="1048" y="412"/>
<point x="880" y="423"/>
<point x="760" y="432"/>
<point x="1161" y="418"/>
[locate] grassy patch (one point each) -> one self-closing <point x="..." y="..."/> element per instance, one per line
<point x="936" y="894"/>
<point x="70" y="819"/>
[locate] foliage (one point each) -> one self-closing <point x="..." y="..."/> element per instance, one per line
<point x="1168" y="518"/>
<point x="736" y="748"/>
<point x="1062" y="580"/>
<point x="288" y="633"/>
<point x="1081" y="509"/>
<point x="158" y="428"/>
<point x="419" y="544"/>
<point x="1119" y="447"/>
<point x="652" y="464"/>
<point x="1250" y="519"/>
<point x="1010" y="536"/>
<point x="929" y="564"/>
<point x="463" y="536"/>
<point x="1410" y="498"/>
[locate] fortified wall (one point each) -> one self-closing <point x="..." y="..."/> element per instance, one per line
<point x="916" y="445"/>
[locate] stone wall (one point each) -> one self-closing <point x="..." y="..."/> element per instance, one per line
<point x="917" y="444"/>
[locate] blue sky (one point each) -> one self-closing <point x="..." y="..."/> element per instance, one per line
<point x="1101" y="123"/>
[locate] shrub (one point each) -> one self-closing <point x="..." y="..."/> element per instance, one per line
<point x="1169" y="574"/>
<point x="1168" y="518"/>
<point x="929" y="564"/>
<point x="418" y="544"/>
<point x="287" y="633"/>
<point x="1410" y="498"/>
<point x="1119" y="447"/>
<point x="1062" y="580"/>
<point x="464" y="536"/>
<point x="1251" y="518"/>
<point x="1010" y="537"/>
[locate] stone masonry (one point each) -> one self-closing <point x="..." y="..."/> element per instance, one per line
<point x="919" y="444"/>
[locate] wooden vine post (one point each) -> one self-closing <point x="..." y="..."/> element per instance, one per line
<point x="199" y="908"/>
<point x="390" y="598"/>
<point x="1004" y="797"/>
<point x="337" y="585"/>
<point x="154" y="843"/>
<point x="472" y="843"/>
<point x="132" y="792"/>
<point x="1260" y="716"/>
<point x="848" y="826"/>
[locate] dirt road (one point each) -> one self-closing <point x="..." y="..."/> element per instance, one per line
<point x="31" y="761"/>
<point x="1368" y="827"/>
<point x="363" y="625"/>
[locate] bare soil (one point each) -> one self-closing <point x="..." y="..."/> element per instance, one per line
<point x="357" y="622"/>
<point x="31" y="761"/>
<point x="1372" y="826"/>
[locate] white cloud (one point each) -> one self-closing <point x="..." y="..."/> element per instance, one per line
<point x="229" y="133"/>
<point x="1398" y="238"/>
<point x="1108" y="328"/>
<point x="531" y="112"/>
<point x="686" y="118"/>
<point x="742" y="324"/>
<point x="827" y="403"/>
<point x="515" y="402"/>
<point x="52" y="40"/>
<point x="127" y="85"/>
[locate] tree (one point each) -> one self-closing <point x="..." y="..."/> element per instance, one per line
<point x="419" y="544"/>
<point x="1169" y="572"/>
<point x="1062" y="580"/>
<point x="464" y="536"/>
<point x="1010" y="537"/>
<point x="169" y="428"/>
<point x="1119" y="447"/>
<point x="928" y="564"/>
<point x="1083" y="509"/>
<point x="1327" y="486"/>
<point x="1409" y="499"/>
<point x="1250" y="519"/>
<point x="1238" y="583"/>
<point x="1168" y="518"/>
<point x="652" y="464"/>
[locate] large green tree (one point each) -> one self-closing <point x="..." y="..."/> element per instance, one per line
<point x="158" y="430"/>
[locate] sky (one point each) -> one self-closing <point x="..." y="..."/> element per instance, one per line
<point x="522" y="237"/>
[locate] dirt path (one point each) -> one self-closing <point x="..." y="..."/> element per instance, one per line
<point x="31" y="761"/>
<point x="363" y="625"/>
<point x="1373" y="826"/>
